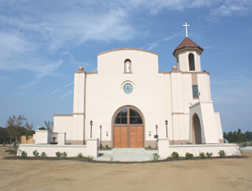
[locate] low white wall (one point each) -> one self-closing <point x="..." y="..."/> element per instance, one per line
<point x="60" y="138"/>
<point x="92" y="147"/>
<point x="41" y="136"/>
<point x="230" y="149"/>
<point x="50" y="150"/>
<point x="163" y="147"/>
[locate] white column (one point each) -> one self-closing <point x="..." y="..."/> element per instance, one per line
<point x="92" y="147"/>
<point x="177" y="105"/>
<point x="163" y="147"/>
<point x="79" y="106"/>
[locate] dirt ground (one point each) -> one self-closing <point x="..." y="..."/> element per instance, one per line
<point x="218" y="174"/>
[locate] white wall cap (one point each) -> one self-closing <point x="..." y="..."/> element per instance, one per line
<point x="92" y="139"/>
<point x="44" y="131"/>
<point x="207" y="145"/>
<point x="162" y="139"/>
<point x="53" y="145"/>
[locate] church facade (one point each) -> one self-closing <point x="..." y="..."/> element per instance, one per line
<point x="128" y="102"/>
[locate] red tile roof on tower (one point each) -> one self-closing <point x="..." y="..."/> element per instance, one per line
<point x="187" y="43"/>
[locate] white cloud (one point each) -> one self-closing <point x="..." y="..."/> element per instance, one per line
<point x="206" y="57"/>
<point x="51" y="93"/>
<point x="233" y="90"/>
<point x="152" y="45"/>
<point x="68" y="93"/>
<point x="31" y="33"/>
<point x="68" y="85"/>
<point x="40" y="70"/>
<point x="233" y="7"/>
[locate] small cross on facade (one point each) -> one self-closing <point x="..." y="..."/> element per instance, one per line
<point x="186" y="25"/>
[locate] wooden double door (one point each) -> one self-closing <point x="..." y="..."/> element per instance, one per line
<point x="128" y="136"/>
<point x="128" y="127"/>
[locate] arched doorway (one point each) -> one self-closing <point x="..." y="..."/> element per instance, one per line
<point x="196" y="130"/>
<point x="128" y="128"/>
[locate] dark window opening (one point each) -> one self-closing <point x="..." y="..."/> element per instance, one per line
<point x="191" y="62"/>
<point x="195" y="92"/>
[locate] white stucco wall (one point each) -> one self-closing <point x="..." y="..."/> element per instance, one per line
<point x="105" y="93"/>
<point x="230" y="149"/>
<point x="159" y="96"/>
<point x="218" y="125"/>
<point x="204" y="87"/>
<point x="64" y="123"/>
<point x="41" y="136"/>
<point x="50" y="150"/>
<point x="184" y="61"/>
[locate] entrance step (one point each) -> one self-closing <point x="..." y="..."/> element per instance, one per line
<point x="126" y="155"/>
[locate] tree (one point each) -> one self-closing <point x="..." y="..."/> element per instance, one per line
<point x="28" y="131"/>
<point x="14" y="125"/>
<point x="49" y="125"/>
<point x="3" y="135"/>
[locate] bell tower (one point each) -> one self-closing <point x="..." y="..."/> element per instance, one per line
<point x="188" y="54"/>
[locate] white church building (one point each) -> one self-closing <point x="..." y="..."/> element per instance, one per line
<point x="128" y="102"/>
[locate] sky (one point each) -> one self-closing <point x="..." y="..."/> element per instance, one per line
<point x="42" y="43"/>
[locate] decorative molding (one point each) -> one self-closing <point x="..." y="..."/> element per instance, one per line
<point x="177" y="113"/>
<point x="62" y="115"/>
<point x="178" y="142"/>
<point x="75" y="142"/>
<point x="91" y="72"/>
<point x="78" y="113"/>
<point x="177" y="71"/>
<point x="79" y="72"/>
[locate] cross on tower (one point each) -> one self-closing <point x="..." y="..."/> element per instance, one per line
<point x="186" y="25"/>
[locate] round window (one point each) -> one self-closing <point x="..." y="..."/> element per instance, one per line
<point x="127" y="88"/>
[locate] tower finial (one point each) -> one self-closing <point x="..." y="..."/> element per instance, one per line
<point x="186" y="25"/>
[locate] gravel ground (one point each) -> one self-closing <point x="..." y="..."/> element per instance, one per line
<point x="37" y="175"/>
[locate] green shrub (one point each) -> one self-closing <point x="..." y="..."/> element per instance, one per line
<point x="222" y="153"/>
<point x="4" y="145"/>
<point x="15" y="145"/>
<point x="80" y="156"/>
<point x="189" y="156"/>
<point x="90" y="158"/>
<point x="155" y="157"/>
<point x="106" y="147"/>
<point x="24" y="154"/>
<point x="209" y="154"/>
<point x="202" y="155"/>
<point x="43" y="155"/>
<point x="64" y="155"/>
<point x="58" y="154"/>
<point x="175" y="155"/>
<point x="111" y="159"/>
<point x="35" y="153"/>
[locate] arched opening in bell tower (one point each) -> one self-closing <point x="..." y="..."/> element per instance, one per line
<point x="191" y="62"/>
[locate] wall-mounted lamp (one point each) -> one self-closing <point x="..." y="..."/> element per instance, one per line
<point x="156" y="136"/>
<point x="91" y="123"/>
<point x="149" y="133"/>
<point x="166" y="124"/>
<point x="106" y="133"/>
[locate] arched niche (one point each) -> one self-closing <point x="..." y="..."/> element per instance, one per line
<point x="127" y="66"/>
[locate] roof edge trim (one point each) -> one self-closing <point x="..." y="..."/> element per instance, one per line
<point x="119" y="49"/>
